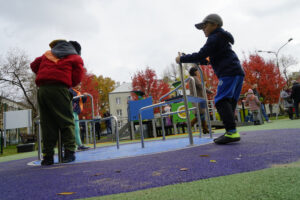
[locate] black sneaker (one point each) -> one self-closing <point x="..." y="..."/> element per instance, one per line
<point x="69" y="156"/>
<point x="47" y="160"/>
<point x="82" y="148"/>
<point x="227" y="138"/>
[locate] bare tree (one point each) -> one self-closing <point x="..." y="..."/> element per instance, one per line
<point x="286" y="62"/>
<point x="171" y="73"/>
<point x="17" y="78"/>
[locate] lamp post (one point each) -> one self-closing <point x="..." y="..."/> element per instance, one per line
<point x="277" y="63"/>
<point x="277" y="52"/>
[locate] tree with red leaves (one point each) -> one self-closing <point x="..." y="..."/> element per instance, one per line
<point x="266" y="75"/>
<point x="147" y="82"/>
<point x="89" y="85"/>
<point x="211" y="80"/>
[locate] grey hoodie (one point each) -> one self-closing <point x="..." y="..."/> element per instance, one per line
<point x="63" y="49"/>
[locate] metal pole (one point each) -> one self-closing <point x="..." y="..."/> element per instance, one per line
<point x="141" y="129"/>
<point x="93" y="123"/>
<point x="197" y="107"/>
<point x="186" y="105"/>
<point x="154" y="128"/>
<point x="86" y="133"/>
<point x="162" y="124"/>
<point x="205" y="96"/>
<point x="117" y="131"/>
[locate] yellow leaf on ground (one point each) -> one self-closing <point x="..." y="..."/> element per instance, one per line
<point x="98" y="174"/>
<point x="214" y="161"/>
<point x="66" y="193"/>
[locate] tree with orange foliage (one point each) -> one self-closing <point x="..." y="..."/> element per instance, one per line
<point x="89" y="85"/>
<point x="266" y="75"/>
<point x="211" y="80"/>
<point x="147" y="82"/>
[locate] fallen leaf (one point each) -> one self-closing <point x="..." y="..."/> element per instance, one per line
<point x="98" y="174"/>
<point x="118" y="171"/>
<point x="213" y="161"/>
<point x="66" y="193"/>
<point x="183" y="169"/>
<point x="204" y="155"/>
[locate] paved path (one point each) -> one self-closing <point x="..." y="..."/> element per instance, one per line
<point x="257" y="150"/>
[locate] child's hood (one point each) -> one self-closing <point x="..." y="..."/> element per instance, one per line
<point x="63" y="49"/>
<point x="226" y="35"/>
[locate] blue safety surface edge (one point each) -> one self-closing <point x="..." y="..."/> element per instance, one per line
<point x="133" y="149"/>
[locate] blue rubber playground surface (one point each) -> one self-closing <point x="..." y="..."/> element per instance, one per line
<point x="133" y="149"/>
<point x="106" y="170"/>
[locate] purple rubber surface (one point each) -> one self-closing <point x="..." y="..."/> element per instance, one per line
<point x="257" y="150"/>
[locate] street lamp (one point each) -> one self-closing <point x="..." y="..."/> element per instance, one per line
<point x="276" y="53"/>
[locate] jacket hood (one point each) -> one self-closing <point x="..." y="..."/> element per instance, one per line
<point x="63" y="49"/>
<point x="226" y="35"/>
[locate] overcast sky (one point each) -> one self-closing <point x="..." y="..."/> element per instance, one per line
<point x="118" y="37"/>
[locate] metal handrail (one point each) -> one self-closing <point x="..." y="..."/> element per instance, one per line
<point x="116" y="127"/>
<point x="93" y="116"/>
<point x="198" y="113"/>
<point x="153" y="106"/>
<point x="174" y="90"/>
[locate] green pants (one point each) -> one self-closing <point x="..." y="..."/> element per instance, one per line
<point x="56" y="114"/>
<point x="77" y="130"/>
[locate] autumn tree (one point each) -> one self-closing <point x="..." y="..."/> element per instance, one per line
<point x="89" y="85"/>
<point x="147" y="82"/>
<point x="266" y="75"/>
<point x="210" y="79"/>
<point x="17" y="79"/>
<point x="104" y="87"/>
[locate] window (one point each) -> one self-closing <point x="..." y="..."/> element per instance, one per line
<point x="118" y="100"/>
<point x="119" y="112"/>
<point x="119" y="124"/>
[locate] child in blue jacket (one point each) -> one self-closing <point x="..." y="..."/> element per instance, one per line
<point x="226" y="66"/>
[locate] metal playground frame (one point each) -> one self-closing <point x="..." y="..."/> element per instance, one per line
<point x="185" y="99"/>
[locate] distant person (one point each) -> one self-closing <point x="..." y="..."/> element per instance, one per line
<point x="98" y="128"/>
<point x="108" y="123"/>
<point x="57" y="70"/>
<point x="77" y="109"/>
<point x="199" y="93"/>
<point x="226" y="66"/>
<point x="296" y="96"/>
<point x="254" y="105"/>
<point x="287" y="101"/>
<point x="262" y="106"/>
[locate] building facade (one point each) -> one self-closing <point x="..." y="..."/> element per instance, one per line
<point x="118" y="102"/>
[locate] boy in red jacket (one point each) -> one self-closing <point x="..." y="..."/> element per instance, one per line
<point x="57" y="70"/>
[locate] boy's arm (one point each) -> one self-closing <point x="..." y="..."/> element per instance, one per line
<point x="35" y="65"/>
<point x="201" y="56"/>
<point x="77" y="72"/>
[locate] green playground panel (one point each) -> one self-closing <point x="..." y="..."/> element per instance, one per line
<point x="180" y="117"/>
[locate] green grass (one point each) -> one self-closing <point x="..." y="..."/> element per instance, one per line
<point x="278" y="182"/>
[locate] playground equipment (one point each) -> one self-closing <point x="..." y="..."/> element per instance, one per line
<point x="185" y="99"/>
<point x="93" y="120"/>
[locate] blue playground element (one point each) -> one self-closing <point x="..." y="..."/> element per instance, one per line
<point x="133" y="149"/>
<point x="134" y="106"/>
